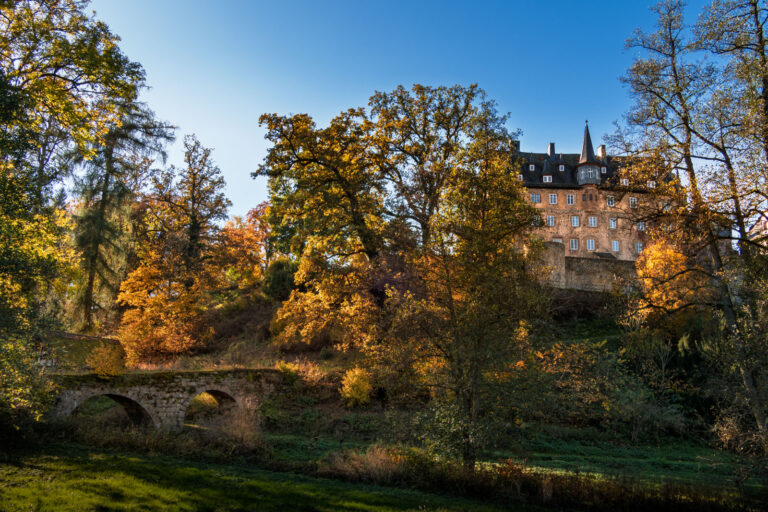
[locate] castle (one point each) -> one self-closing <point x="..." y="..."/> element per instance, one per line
<point x="588" y="214"/>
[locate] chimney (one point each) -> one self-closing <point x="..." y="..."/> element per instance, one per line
<point x="551" y="150"/>
<point x="601" y="152"/>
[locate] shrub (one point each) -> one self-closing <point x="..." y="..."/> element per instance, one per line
<point x="356" y="387"/>
<point x="278" y="279"/>
<point x="107" y="359"/>
<point x="375" y="465"/>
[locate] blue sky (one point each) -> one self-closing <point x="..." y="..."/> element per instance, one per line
<point x="215" y="66"/>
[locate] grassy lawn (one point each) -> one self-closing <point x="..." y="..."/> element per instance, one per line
<point x="73" y="478"/>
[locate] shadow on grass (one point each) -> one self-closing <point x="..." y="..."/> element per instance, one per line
<point x="75" y="480"/>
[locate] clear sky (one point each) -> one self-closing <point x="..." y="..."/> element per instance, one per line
<point x="215" y="66"/>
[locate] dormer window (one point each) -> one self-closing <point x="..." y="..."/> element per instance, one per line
<point x="633" y="202"/>
<point x="609" y="201"/>
<point x="531" y="167"/>
<point x="562" y="168"/>
<point x="651" y="184"/>
<point x="603" y="170"/>
<point x="624" y="182"/>
<point x="547" y="179"/>
<point x="520" y="177"/>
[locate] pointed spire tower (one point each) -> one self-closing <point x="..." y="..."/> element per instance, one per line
<point x="587" y="168"/>
<point x="587" y="151"/>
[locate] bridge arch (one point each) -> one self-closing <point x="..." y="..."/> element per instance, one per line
<point x="225" y="400"/>
<point x="136" y="412"/>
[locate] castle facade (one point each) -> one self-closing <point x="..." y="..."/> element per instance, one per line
<point x="584" y="202"/>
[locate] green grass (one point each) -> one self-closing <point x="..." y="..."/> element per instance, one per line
<point x="73" y="478"/>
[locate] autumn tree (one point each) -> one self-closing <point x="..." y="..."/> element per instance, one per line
<point x="704" y="119"/>
<point x="474" y="288"/>
<point x="167" y="293"/>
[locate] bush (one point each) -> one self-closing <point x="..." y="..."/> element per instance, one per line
<point x="278" y="279"/>
<point x="107" y="359"/>
<point x="356" y="387"/>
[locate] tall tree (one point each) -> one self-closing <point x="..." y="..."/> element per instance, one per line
<point x="168" y="291"/>
<point x="689" y="115"/>
<point x="104" y="192"/>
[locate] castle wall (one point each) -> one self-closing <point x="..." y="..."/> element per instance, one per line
<point x="583" y="273"/>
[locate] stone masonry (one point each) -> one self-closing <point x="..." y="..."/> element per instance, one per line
<point x="162" y="398"/>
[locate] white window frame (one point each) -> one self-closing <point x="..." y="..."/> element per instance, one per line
<point x="610" y="201"/>
<point x="638" y="247"/>
<point x="557" y="240"/>
<point x="633" y="202"/>
<point x="520" y="177"/>
<point x="624" y="182"/>
<point x="574" y="244"/>
<point x="590" y="244"/>
<point x="561" y="168"/>
<point x="603" y="170"/>
<point x="531" y="167"/>
<point x="575" y="221"/>
<point x="641" y="225"/>
<point x="535" y="197"/>
<point x="590" y="173"/>
<point x="552" y="198"/>
<point x="613" y="223"/>
<point x="570" y="199"/>
<point x="550" y="220"/>
<point x="592" y="221"/>
<point x="547" y="178"/>
<point x="615" y="247"/>
<point x="651" y="184"/>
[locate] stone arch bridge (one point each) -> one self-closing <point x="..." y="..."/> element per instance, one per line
<point x="162" y="398"/>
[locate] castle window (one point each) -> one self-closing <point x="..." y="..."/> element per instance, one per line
<point x="609" y="201"/>
<point x="592" y="221"/>
<point x="638" y="247"/>
<point x="547" y="179"/>
<point x="520" y="177"/>
<point x="574" y="244"/>
<point x="641" y="226"/>
<point x="535" y="198"/>
<point x="562" y="167"/>
<point x="624" y="182"/>
<point x="575" y="221"/>
<point x="557" y="240"/>
<point x="536" y="220"/>
<point x="603" y="170"/>
<point x="651" y="184"/>
<point x="590" y="244"/>
<point x="550" y="220"/>
<point x="552" y="198"/>
<point x="633" y="202"/>
<point x="531" y="167"/>
<point x="612" y="223"/>
<point x="590" y="173"/>
<point x="570" y="199"/>
<point x="615" y="245"/>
